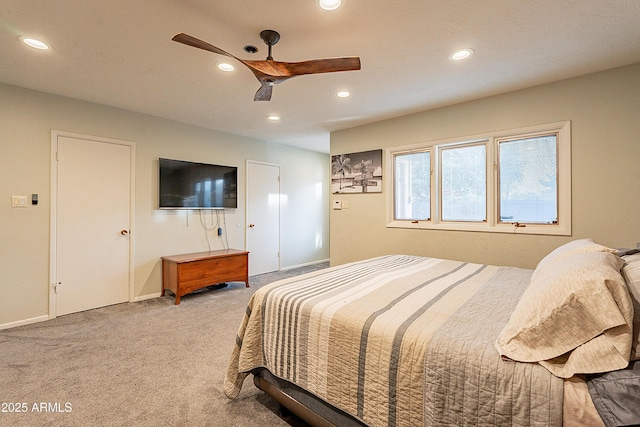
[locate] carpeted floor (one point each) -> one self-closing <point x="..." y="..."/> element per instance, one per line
<point x="148" y="363"/>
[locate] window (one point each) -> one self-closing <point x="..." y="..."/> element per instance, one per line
<point x="464" y="183"/>
<point x="412" y="185"/>
<point x="528" y="180"/>
<point x="508" y="181"/>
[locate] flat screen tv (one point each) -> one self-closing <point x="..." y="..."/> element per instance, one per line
<point x="190" y="185"/>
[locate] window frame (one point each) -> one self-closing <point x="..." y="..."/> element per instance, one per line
<point x="493" y="223"/>
<point x="393" y="184"/>
<point x="498" y="173"/>
<point x="440" y="149"/>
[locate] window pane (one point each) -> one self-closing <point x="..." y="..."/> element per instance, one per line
<point x="412" y="186"/>
<point x="464" y="183"/>
<point x="529" y="180"/>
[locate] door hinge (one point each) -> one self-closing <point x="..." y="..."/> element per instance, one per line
<point x="57" y="156"/>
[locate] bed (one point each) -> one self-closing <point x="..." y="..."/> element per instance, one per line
<point x="403" y="340"/>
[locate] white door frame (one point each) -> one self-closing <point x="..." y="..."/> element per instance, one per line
<point x="248" y="207"/>
<point x="53" y="255"/>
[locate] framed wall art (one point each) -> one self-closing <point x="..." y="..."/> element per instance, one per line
<point x="357" y="172"/>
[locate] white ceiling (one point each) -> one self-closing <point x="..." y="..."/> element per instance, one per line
<point x="120" y="53"/>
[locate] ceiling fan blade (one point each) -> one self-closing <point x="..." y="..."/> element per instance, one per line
<point x="194" y="42"/>
<point x="264" y="93"/>
<point x="283" y="70"/>
<point x="317" y="66"/>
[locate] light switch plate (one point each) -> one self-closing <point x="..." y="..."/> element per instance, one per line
<point x="337" y="204"/>
<point x="19" y="201"/>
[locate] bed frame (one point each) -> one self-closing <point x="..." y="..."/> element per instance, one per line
<point x="303" y="404"/>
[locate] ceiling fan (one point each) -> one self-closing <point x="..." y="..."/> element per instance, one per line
<point x="270" y="72"/>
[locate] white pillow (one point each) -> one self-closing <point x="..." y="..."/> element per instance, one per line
<point x="574" y="317"/>
<point x="578" y="246"/>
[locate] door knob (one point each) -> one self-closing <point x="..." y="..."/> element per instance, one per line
<point x="124" y="232"/>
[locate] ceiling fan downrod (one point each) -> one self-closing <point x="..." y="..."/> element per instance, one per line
<point x="270" y="37"/>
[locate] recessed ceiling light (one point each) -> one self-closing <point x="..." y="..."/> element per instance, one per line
<point x="330" y="5"/>
<point x="36" y="44"/>
<point x="273" y="118"/>
<point x="250" y="48"/>
<point x="343" y="94"/>
<point x="223" y="66"/>
<point x="461" y="54"/>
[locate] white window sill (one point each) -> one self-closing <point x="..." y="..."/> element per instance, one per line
<point x="543" y="229"/>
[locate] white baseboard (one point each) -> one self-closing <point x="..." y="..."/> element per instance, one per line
<point x="24" y="322"/>
<point x="148" y="296"/>
<point x="291" y="267"/>
<point x="46" y="316"/>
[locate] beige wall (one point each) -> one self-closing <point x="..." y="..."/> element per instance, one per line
<point x="26" y="120"/>
<point x="604" y="110"/>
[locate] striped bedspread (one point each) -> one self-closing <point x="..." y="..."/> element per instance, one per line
<point x="398" y="341"/>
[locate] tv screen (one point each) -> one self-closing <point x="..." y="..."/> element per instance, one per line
<point x="190" y="185"/>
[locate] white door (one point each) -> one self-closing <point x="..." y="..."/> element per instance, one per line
<point x="92" y="224"/>
<point x="263" y="217"/>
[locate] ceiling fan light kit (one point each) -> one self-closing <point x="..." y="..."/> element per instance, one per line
<point x="270" y="72"/>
